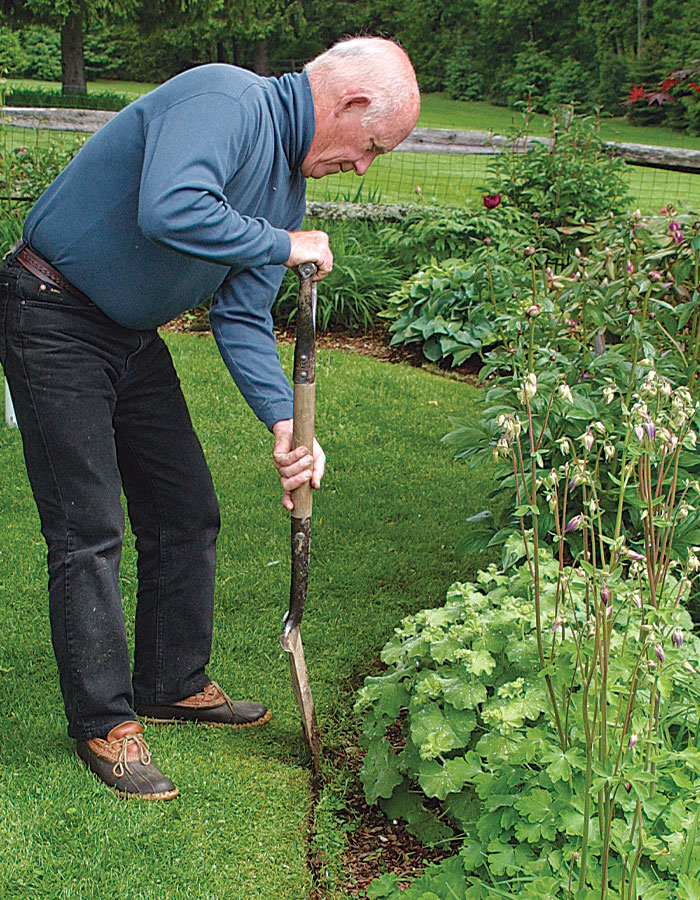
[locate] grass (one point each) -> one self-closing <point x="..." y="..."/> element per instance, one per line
<point x="384" y="528"/>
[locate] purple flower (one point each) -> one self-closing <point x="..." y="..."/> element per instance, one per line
<point x="677" y="638"/>
<point x="605" y="594"/>
<point x="491" y="201"/>
<point x="650" y="429"/>
<point x="574" y="523"/>
<point x="659" y="651"/>
<point x="632" y="741"/>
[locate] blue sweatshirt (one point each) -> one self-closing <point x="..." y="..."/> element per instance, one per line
<point x="186" y="194"/>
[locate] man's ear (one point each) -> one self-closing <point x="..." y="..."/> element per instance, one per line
<point x="351" y="102"/>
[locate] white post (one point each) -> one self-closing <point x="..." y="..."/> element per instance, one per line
<point x="10" y="417"/>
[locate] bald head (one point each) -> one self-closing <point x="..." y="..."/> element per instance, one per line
<point x="363" y="83"/>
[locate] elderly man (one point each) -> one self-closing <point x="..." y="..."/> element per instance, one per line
<point x="195" y="190"/>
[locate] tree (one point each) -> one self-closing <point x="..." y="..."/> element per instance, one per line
<point x="70" y="17"/>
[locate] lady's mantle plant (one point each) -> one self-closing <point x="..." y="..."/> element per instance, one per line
<point x="547" y="714"/>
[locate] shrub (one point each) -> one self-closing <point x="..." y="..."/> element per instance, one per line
<point x="572" y="180"/>
<point x="25" y="96"/>
<point x="462" y="81"/>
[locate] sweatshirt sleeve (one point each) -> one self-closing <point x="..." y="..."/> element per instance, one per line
<point x="241" y="321"/>
<point x="182" y="203"/>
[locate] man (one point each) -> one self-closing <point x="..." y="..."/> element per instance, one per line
<point x="196" y="189"/>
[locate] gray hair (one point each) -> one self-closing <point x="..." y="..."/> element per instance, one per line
<point x="364" y="61"/>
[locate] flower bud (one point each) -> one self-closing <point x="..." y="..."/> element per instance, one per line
<point x="577" y="253"/>
<point x="628" y="787"/>
<point x="677" y="638"/>
<point x="533" y="311"/>
<point x="574" y="523"/>
<point x="565" y="392"/>
<point x="632" y="741"/>
<point x="605" y="594"/>
<point x="530" y="250"/>
<point x="588" y="439"/>
<point x="659" y="651"/>
<point x="650" y="429"/>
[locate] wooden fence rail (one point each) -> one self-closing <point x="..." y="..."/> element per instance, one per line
<point x="421" y="140"/>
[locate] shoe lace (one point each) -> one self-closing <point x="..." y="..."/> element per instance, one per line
<point x="121" y="766"/>
<point x="226" y="697"/>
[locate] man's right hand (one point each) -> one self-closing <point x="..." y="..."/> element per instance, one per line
<point x="311" y="246"/>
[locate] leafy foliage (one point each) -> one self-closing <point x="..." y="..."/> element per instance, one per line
<point x="362" y="279"/>
<point x="482" y="755"/>
<point x="571" y="180"/>
<point x="53" y="98"/>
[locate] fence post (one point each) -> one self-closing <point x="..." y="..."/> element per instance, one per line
<point x="10" y="417"/>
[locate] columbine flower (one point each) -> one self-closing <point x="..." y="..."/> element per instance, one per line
<point x="609" y="393"/>
<point x="605" y="594"/>
<point x="529" y="388"/>
<point x="564" y="445"/>
<point x="574" y="523"/>
<point x="530" y="250"/>
<point x="587" y="439"/>
<point x="609" y="450"/>
<point x="639" y="431"/>
<point x="655" y="275"/>
<point x="632" y="741"/>
<point x="659" y="651"/>
<point x="491" y="201"/>
<point x="677" y="638"/>
<point x="630" y="267"/>
<point x="650" y="429"/>
<point x="565" y="392"/>
<point x="632" y="554"/>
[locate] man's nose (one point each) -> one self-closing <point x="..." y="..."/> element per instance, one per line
<point x="362" y="164"/>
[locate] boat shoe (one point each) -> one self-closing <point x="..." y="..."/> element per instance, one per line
<point x="211" y="706"/>
<point x="123" y="761"/>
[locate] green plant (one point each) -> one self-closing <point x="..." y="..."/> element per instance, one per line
<point x="547" y="801"/>
<point x="53" y="98"/>
<point x="357" y="289"/>
<point x="571" y="179"/>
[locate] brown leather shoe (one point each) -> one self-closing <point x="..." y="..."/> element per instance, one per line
<point x="122" y="760"/>
<point x="211" y="706"/>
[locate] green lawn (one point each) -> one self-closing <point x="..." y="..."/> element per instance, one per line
<point x="384" y="528"/>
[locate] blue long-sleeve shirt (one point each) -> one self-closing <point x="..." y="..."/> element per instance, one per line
<point x="189" y="193"/>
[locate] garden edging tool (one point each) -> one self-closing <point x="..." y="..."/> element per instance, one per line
<point x="303" y="434"/>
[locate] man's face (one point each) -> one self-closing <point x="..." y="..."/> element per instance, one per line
<point x="344" y="144"/>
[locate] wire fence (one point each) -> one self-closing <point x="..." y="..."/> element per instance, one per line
<point x="455" y="179"/>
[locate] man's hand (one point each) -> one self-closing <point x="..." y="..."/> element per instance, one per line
<point x="295" y="466"/>
<point x="311" y="246"/>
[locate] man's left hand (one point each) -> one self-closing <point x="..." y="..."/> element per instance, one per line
<point x="295" y="466"/>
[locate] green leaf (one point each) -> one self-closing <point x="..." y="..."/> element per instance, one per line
<point x="439" y="780"/>
<point x="463" y="695"/>
<point x="380" y="771"/>
<point x="385" y="887"/>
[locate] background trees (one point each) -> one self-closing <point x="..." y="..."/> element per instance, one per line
<point x="589" y="52"/>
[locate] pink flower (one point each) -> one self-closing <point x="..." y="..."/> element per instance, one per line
<point x="491" y="201"/>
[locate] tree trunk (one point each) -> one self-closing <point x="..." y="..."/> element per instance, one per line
<point x="262" y="63"/>
<point x="641" y="25"/>
<point x="72" y="58"/>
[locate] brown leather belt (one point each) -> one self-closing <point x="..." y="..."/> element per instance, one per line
<point x="43" y="270"/>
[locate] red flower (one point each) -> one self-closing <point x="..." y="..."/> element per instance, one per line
<point x="694" y="85"/>
<point x="637" y="93"/>
<point x="491" y="201"/>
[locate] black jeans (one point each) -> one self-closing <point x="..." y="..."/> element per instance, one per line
<point x="100" y="408"/>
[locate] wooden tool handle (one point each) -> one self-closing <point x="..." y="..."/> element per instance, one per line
<point x="304" y="382"/>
